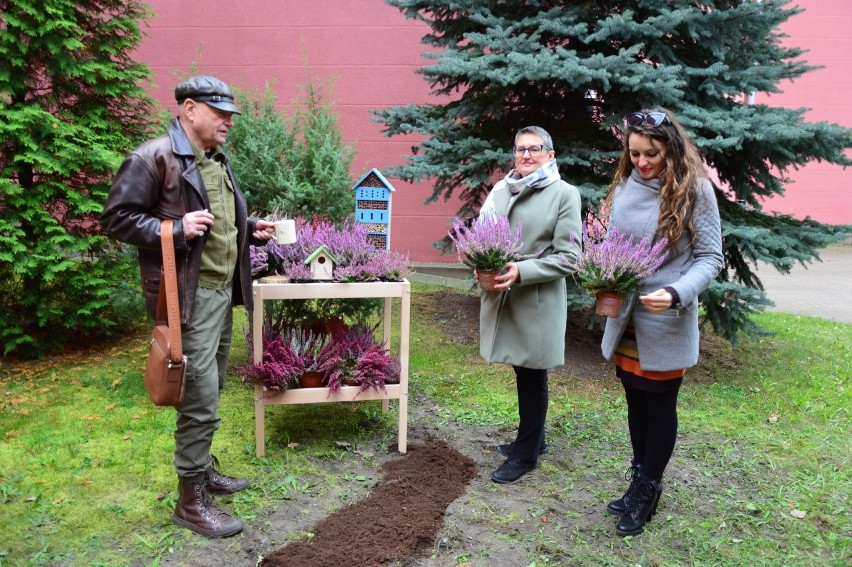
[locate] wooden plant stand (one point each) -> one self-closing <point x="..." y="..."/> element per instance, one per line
<point x="387" y="290"/>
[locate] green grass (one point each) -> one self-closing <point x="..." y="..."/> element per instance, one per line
<point x="86" y="476"/>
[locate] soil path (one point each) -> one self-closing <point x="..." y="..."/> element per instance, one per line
<point x="400" y="519"/>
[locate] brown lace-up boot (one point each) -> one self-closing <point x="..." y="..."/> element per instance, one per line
<point x="194" y="510"/>
<point x="218" y="483"/>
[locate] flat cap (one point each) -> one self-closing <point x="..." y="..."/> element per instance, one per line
<point x="209" y="90"/>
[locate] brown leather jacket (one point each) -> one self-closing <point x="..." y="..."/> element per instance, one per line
<point x="160" y="180"/>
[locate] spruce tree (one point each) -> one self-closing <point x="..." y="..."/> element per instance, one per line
<point x="578" y="67"/>
<point x="320" y="159"/>
<point x="71" y="106"/>
<point x="257" y="144"/>
<point x="294" y="162"/>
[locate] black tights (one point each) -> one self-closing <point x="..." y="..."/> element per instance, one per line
<point x="532" y="407"/>
<point x="652" y="420"/>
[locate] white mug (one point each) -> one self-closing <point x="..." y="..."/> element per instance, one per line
<point x="285" y="231"/>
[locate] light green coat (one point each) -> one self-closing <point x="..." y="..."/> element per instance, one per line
<point x="525" y="326"/>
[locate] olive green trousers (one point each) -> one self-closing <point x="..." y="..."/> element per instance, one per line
<point x="206" y="343"/>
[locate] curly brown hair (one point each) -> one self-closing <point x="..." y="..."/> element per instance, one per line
<point x="679" y="179"/>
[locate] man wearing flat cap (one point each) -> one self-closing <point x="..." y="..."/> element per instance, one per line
<point x="186" y="176"/>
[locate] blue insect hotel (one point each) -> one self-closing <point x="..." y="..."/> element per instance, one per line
<point x="373" y="207"/>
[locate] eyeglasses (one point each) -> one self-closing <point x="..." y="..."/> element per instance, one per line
<point x="652" y="119"/>
<point x="534" y="151"/>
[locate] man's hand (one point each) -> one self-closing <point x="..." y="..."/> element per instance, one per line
<point x="263" y="230"/>
<point x="196" y="223"/>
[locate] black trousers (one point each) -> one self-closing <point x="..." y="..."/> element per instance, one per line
<point x="652" y="421"/>
<point x="532" y="408"/>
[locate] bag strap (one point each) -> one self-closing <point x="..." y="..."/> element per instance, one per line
<point x="168" y="304"/>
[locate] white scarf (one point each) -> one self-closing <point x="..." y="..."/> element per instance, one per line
<point x="541" y="177"/>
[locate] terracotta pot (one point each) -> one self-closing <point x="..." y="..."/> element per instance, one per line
<point x="311" y="380"/>
<point x="349" y="382"/>
<point x="486" y="279"/>
<point x="609" y="303"/>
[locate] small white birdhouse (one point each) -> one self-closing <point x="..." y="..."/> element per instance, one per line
<point x="322" y="264"/>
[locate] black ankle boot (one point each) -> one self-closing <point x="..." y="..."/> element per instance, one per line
<point x="509" y="447"/>
<point x="640" y="507"/>
<point x="619" y="506"/>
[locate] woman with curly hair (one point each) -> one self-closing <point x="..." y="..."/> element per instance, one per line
<point x="660" y="190"/>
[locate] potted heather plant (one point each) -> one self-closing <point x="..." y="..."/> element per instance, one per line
<point x="356" y="359"/>
<point x="356" y="259"/>
<point x="280" y="366"/>
<point x="292" y="356"/>
<point x="310" y="347"/>
<point x="487" y="245"/>
<point x="612" y="266"/>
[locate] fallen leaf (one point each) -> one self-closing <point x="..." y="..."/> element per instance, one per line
<point x="59" y="500"/>
<point x="126" y="437"/>
<point x="292" y="445"/>
<point x="90" y="417"/>
<point x="116" y="382"/>
<point x="798" y="513"/>
<point x="109" y="407"/>
<point x="30" y="499"/>
<point x="773" y="418"/>
<point x="162" y="495"/>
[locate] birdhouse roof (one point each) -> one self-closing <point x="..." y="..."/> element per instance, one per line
<point x="373" y="178"/>
<point x="321" y="250"/>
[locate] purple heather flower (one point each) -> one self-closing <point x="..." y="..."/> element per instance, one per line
<point x="488" y="244"/>
<point x="356" y="259"/>
<point x="259" y="260"/>
<point x="616" y="262"/>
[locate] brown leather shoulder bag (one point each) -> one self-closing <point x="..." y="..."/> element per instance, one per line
<point x="165" y="371"/>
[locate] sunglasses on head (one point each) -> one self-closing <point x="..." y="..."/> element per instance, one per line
<point x="651" y="119"/>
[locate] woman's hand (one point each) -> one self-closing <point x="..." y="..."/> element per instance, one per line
<point x="509" y="276"/>
<point x="657" y="302"/>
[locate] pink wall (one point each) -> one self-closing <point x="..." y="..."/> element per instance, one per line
<point x="374" y="53"/>
<point x="821" y="191"/>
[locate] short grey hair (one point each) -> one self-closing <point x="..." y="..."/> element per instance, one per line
<point x="537" y="131"/>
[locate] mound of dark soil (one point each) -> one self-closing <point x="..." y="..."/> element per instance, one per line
<point x="398" y="520"/>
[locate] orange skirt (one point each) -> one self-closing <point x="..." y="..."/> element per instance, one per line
<point x="627" y="358"/>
